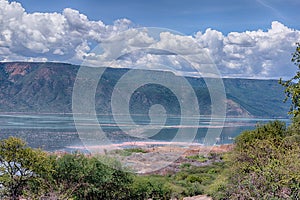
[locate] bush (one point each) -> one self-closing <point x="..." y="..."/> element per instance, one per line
<point x="150" y="187"/>
<point x="265" y="164"/>
<point x="82" y="177"/>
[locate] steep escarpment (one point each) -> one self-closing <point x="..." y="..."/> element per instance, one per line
<point x="47" y="87"/>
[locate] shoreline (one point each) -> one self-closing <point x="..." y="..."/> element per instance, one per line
<point x="153" y="145"/>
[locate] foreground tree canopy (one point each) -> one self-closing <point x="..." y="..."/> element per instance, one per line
<point x="31" y="173"/>
<point x="20" y="166"/>
<point x="292" y="86"/>
<point x="266" y="164"/>
<point x="35" y="174"/>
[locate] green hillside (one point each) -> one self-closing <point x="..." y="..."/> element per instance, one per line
<point x="47" y="87"/>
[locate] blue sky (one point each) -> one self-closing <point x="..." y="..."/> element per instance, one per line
<point x="187" y="16"/>
<point x="244" y="38"/>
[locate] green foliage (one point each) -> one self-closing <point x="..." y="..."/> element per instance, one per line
<point x="265" y="164"/>
<point x="185" y="165"/>
<point x="127" y="152"/>
<point x="218" y="188"/>
<point x="274" y="132"/>
<point x="21" y="169"/>
<point x="82" y="177"/>
<point x="34" y="174"/>
<point x="136" y="150"/>
<point x="150" y="187"/>
<point x="198" y="157"/>
<point x="189" y="181"/>
<point x="292" y="86"/>
<point x="294" y="128"/>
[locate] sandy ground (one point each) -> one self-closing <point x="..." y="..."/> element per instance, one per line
<point x="167" y="159"/>
<point x="192" y="149"/>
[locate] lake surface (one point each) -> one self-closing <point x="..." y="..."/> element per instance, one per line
<point x="58" y="131"/>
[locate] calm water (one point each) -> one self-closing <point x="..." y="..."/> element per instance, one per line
<point x="53" y="131"/>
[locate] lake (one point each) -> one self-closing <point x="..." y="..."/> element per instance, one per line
<point x="58" y="132"/>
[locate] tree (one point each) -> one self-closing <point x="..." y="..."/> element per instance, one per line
<point x="19" y="166"/>
<point x="265" y="164"/>
<point x="292" y="86"/>
<point x="79" y="176"/>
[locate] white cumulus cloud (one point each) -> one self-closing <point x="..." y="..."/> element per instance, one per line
<point x="70" y="36"/>
<point x="253" y="54"/>
<point x="52" y="36"/>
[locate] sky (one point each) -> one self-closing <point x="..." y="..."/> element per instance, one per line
<point x="244" y="38"/>
<point x="187" y="16"/>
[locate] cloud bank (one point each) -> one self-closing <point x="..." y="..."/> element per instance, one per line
<point x="69" y="37"/>
<point x="49" y="36"/>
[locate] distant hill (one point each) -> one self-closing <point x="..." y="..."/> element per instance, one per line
<point x="47" y="87"/>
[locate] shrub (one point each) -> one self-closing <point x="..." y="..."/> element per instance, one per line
<point x="265" y="164"/>
<point x="150" y="187"/>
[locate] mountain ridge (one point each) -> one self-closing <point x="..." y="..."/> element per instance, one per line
<point x="47" y="87"/>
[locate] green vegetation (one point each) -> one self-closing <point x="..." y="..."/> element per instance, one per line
<point x="127" y="152"/>
<point x="154" y="187"/>
<point x="21" y="168"/>
<point x="189" y="181"/>
<point x="33" y="174"/>
<point x="292" y="86"/>
<point x="197" y="180"/>
<point x="198" y="157"/>
<point x="265" y="164"/>
<point x="82" y="177"/>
